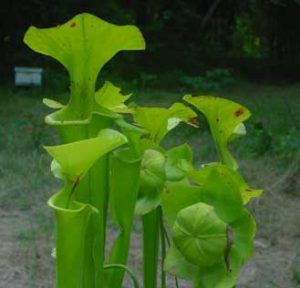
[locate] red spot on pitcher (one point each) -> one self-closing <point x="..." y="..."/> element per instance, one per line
<point x="239" y="112"/>
<point x="193" y="121"/>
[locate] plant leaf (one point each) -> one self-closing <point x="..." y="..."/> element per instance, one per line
<point x="152" y="179"/>
<point x="219" y="276"/>
<point x="224" y="118"/>
<point x="184" y="204"/>
<point x="200" y="235"/>
<point x="214" y="188"/>
<point x="109" y="96"/>
<point x="179" y="159"/>
<point x="247" y="193"/>
<point x="71" y="163"/>
<point x="176" y="196"/>
<point x="244" y="231"/>
<point x="124" y="182"/>
<point x="215" y="276"/>
<point x="53" y="104"/>
<point x="159" y="121"/>
<point x="176" y="264"/>
<point x="72" y="223"/>
<point x="220" y="191"/>
<point x="82" y="45"/>
<point x="74" y="164"/>
<point x="133" y="134"/>
<point x="76" y="44"/>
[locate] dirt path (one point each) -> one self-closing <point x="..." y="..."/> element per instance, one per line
<point x="271" y="267"/>
<point x="12" y="269"/>
<point x="25" y="260"/>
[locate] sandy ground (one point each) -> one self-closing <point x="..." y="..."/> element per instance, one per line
<point x="13" y="273"/>
<point x="25" y="260"/>
<point x="28" y="264"/>
<point x="24" y="263"/>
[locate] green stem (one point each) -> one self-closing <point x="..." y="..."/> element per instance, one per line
<point x="99" y="189"/>
<point x="169" y="243"/>
<point x="72" y="246"/>
<point x="93" y="189"/>
<point x="127" y="269"/>
<point x="150" y="247"/>
<point x="176" y="282"/>
<point x="167" y="236"/>
<point x="163" y="249"/>
<point x="124" y="181"/>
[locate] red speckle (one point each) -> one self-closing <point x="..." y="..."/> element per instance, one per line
<point x="75" y="181"/>
<point x="239" y="112"/>
<point x="193" y="120"/>
<point x="73" y="24"/>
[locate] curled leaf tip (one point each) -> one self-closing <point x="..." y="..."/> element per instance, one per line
<point x="225" y="119"/>
<point x="53" y="104"/>
<point x="83" y="45"/>
<point x="74" y="159"/>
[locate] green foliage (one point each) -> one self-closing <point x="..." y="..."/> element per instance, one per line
<point x="152" y="179"/>
<point x="225" y="119"/>
<point x="125" y="170"/>
<point x="261" y="140"/>
<point x="110" y="97"/>
<point x="287" y="144"/>
<point x="211" y="80"/>
<point x="159" y="121"/>
<point x="214" y="79"/>
<point x="211" y="229"/>
<point x="178" y="160"/>
<point x="73" y="217"/>
<point x="68" y="44"/>
<point x="230" y="229"/>
<point x="245" y="41"/>
<point x="199" y="234"/>
<point x="296" y="269"/>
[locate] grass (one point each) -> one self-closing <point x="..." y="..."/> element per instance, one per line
<point x="269" y="158"/>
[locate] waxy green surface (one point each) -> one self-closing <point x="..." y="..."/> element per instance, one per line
<point x="83" y="45"/>
<point x="212" y="230"/>
<point x="77" y="222"/>
<point x="225" y="119"/>
<point x="231" y="222"/>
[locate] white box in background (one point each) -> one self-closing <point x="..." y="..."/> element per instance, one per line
<point x="26" y="76"/>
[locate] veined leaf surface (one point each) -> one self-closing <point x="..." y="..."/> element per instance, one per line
<point x="159" y="121"/>
<point x="82" y="45"/>
<point x="225" y="119"/>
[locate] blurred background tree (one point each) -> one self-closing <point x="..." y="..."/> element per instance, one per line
<point x="257" y="38"/>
